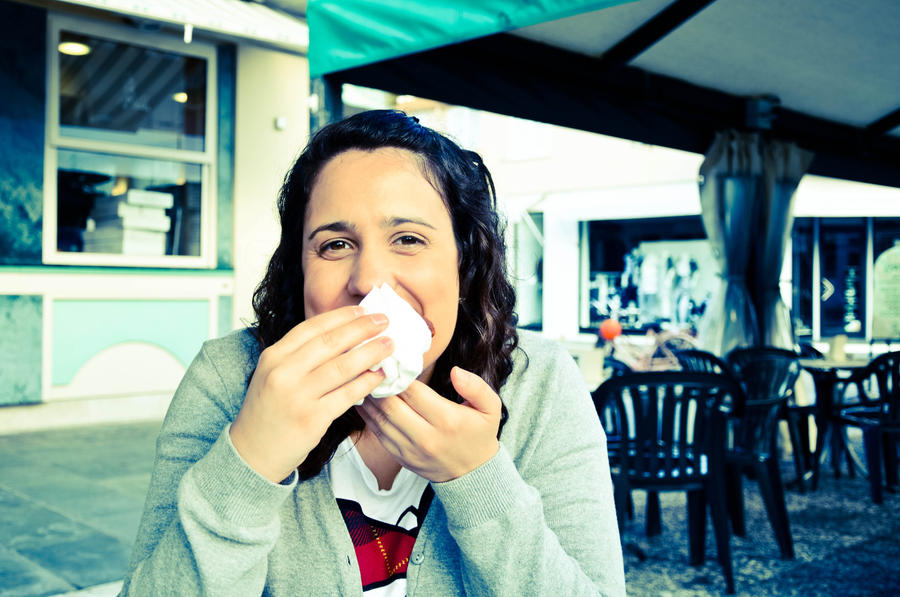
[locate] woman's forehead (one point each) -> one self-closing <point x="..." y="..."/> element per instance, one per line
<point x="386" y="179"/>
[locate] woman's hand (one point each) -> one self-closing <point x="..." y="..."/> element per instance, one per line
<point x="432" y="436"/>
<point x="302" y="383"/>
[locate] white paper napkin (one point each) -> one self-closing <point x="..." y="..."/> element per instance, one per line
<point x="411" y="339"/>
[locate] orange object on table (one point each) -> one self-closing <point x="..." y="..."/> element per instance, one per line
<point x="610" y="328"/>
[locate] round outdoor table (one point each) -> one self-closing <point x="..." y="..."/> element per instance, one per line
<point x="826" y="374"/>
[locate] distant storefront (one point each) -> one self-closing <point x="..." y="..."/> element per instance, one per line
<point x="652" y="272"/>
<point x="124" y="198"/>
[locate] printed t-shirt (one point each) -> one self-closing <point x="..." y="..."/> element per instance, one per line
<point x="383" y="523"/>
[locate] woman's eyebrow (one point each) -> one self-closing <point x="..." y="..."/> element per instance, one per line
<point x="339" y="226"/>
<point x="398" y="221"/>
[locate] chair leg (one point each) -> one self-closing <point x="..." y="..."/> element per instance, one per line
<point x="803" y="426"/>
<point x="797" y="449"/>
<point x="872" y="443"/>
<point x="734" y="498"/>
<point x="654" y="518"/>
<point x="621" y="496"/>
<point x="719" y="512"/>
<point x="848" y="457"/>
<point x="696" y="507"/>
<point x="821" y="433"/>
<point x="889" y="444"/>
<point x="772" y="491"/>
<point x="837" y="448"/>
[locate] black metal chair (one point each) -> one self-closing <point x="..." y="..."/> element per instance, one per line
<point x="774" y="372"/>
<point x="876" y="412"/>
<point x="614" y="367"/>
<point x="767" y="376"/>
<point x="752" y="429"/>
<point x="670" y="431"/>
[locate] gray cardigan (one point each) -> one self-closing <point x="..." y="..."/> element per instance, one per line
<point x="537" y="519"/>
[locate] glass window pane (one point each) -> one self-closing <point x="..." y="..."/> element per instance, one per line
<point x="648" y="271"/>
<point x="126" y="205"/>
<point x="114" y="91"/>
<point x="529" y="254"/>
<point x="886" y="279"/>
<point x="801" y="268"/>
<point x="843" y="256"/>
<point x="887" y="234"/>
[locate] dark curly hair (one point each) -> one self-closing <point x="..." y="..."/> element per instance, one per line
<point x="485" y="334"/>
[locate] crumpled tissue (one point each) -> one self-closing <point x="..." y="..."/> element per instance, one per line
<point x="411" y="337"/>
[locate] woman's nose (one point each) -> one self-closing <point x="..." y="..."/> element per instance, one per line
<point x="369" y="270"/>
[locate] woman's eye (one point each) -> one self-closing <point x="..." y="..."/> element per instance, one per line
<point x="333" y="247"/>
<point x="408" y="240"/>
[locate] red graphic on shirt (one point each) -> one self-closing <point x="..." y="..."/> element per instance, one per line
<point x="382" y="549"/>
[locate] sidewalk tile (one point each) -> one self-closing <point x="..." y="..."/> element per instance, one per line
<point x="20" y="577"/>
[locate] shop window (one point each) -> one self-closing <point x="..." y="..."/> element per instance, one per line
<point x="647" y="272"/>
<point x="842" y="243"/>
<point x="802" y="276"/>
<point x="130" y="159"/>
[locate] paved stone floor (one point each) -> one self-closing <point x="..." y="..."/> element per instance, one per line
<point x="70" y="503"/>
<point x="844" y="545"/>
<point x="71" y="499"/>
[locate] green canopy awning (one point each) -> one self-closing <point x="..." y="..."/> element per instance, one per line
<point x="349" y="33"/>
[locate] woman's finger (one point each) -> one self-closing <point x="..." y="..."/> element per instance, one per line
<point x="394" y="420"/>
<point x="428" y="404"/>
<point x="306" y="330"/>
<point x="334" y="342"/>
<point x="475" y="391"/>
<point x="387" y="434"/>
<point x="338" y="401"/>
<point x="336" y="372"/>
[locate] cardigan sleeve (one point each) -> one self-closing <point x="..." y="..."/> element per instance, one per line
<point x="209" y="520"/>
<point x="539" y="517"/>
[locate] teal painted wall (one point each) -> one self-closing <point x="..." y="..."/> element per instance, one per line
<point x="225" y="302"/>
<point x="21" y="324"/>
<point x="23" y="34"/>
<point x="226" y="66"/>
<point x="83" y="328"/>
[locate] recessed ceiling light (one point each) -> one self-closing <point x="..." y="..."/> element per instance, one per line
<point x="74" y="48"/>
<point x="180" y="97"/>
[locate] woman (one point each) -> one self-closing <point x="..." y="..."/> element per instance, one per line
<point x="280" y="485"/>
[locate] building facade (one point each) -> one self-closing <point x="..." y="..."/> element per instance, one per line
<point x="140" y="163"/>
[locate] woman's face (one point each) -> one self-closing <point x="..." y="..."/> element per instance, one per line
<point x="374" y="218"/>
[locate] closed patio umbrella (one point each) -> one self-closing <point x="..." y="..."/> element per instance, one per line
<point x="784" y="165"/>
<point x="747" y="185"/>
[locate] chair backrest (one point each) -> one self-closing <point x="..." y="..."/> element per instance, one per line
<point x="670" y="425"/>
<point x="808" y="351"/>
<point x="765" y="372"/>
<point x="701" y="361"/>
<point x="879" y="385"/>
<point x="615" y="366"/>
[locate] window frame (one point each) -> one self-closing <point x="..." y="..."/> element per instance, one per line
<point x="56" y="141"/>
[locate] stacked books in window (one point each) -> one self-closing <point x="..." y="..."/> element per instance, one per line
<point x="131" y="224"/>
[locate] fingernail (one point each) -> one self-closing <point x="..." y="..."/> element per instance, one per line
<point x="379" y="318"/>
<point x="386" y="341"/>
<point x="463" y="373"/>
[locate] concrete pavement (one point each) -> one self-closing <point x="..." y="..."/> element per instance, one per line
<point x="70" y="503"/>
